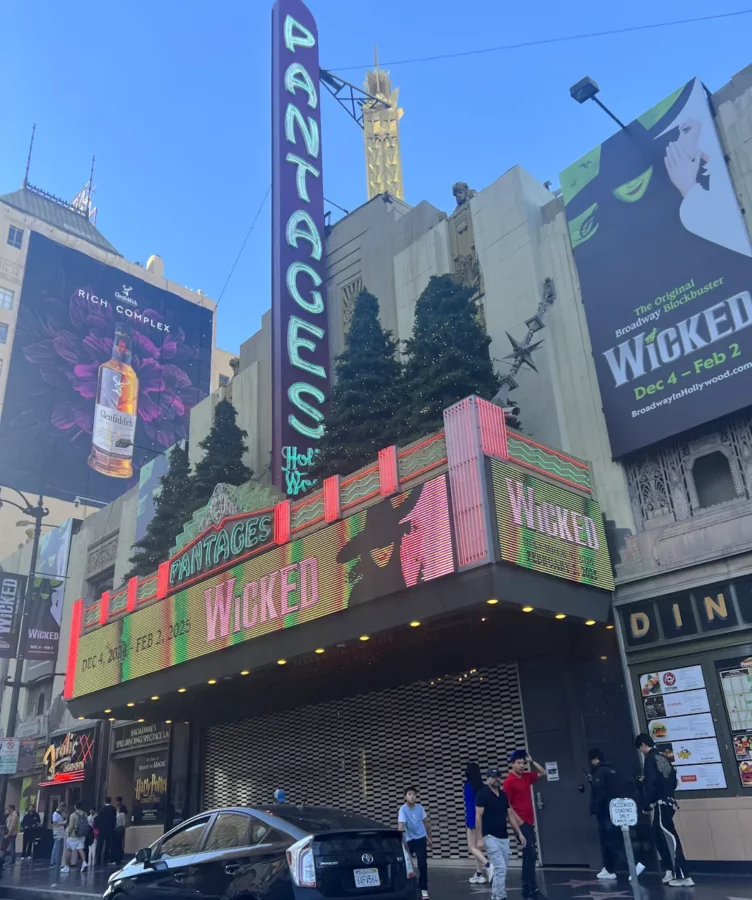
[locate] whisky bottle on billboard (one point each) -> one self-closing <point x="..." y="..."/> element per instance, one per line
<point x="115" y="411"/>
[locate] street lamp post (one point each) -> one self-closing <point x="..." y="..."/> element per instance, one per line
<point x="37" y="513"/>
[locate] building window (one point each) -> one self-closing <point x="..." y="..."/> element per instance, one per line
<point x="224" y="379"/>
<point x="714" y="482"/>
<point x="15" y="237"/>
<point x="40" y="705"/>
<point x="3" y="333"/>
<point x="6" y="299"/>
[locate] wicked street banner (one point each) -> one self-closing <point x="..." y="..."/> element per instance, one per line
<point x="665" y="266"/>
<point x="43" y="615"/>
<point x="11" y="597"/>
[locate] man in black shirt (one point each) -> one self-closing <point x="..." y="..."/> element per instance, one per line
<point x="492" y="813"/>
<point x="107" y="817"/>
<point x="659" y="784"/>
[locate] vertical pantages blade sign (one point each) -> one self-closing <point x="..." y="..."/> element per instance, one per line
<point x="665" y="265"/>
<point x="300" y="342"/>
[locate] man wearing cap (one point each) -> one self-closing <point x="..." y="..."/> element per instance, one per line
<point x="492" y="813"/>
<point x="518" y="788"/>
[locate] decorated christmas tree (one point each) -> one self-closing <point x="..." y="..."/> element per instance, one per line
<point x="222" y="462"/>
<point x="367" y="405"/>
<point x="447" y="356"/>
<point x="173" y="508"/>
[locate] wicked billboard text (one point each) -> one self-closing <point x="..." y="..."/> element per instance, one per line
<point x="300" y="343"/>
<point x="12" y="589"/>
<point x="104" y="372"/>
<point x="549" y="529"/>
<point x="665" y="265"/>
<point x="395" y="544"/>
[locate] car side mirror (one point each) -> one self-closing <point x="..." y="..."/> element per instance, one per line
<point x="144" y="856"/>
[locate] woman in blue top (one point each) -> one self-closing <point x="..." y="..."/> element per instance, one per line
<point x="473" y="783"/>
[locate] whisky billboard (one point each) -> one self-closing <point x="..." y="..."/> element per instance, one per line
<point x="104" y="372"/>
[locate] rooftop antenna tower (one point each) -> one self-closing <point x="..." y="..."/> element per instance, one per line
<point x="28" y="158"/>
<point x="82" y="200"/>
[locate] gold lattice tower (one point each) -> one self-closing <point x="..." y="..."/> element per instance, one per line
<point x="381" y="133"/>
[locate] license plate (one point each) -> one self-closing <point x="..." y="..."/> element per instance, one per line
<point x="365" y="878"/>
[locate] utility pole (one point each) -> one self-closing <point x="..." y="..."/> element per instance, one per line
<point x="37" y="513"/>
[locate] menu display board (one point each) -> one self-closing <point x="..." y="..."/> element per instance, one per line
<point x="677" y="710"/>
<point x="736" y="684"/>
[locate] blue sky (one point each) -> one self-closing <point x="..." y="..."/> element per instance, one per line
<point x="173" y="98"/>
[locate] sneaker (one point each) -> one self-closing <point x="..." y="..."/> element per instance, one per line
<point x="681" y="882"/>
<point x="639" y="869"/>
<point x="489" y="873"/>
<point x="477" y="879"/>
<point x="424" y="895"/>
<point x="65" y="870"/>
<point x="669" y="876"/>
<point x="605" y="875"/>
<point x="84" y="866"/>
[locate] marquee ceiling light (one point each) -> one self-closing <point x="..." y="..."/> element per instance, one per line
<point x="155" y="697"/>
<point x="245" y="672"/>
<point x="527" y="608"/>
<point x="182" y="690"/>
<point x="111" y="719"/>
<point x="484" y="619"/>
<point x="492" y="602"/>
<point x="609" y="627"/>
<point x="142" y="720"/>
<point x="365" y="637"/>
<point x="108" y="710"/>
<point x="130" y="704"/>
<point x="590" y="622"/>
<point x="212" y="681"/>
<point x="560" y="616"/>
<point x="281" y="662"/>
<point x="414" y="624"/>
<point x="604" y="657"/>
<point x="80" y="718"/>
<point x="319" y="650"/>
<point x="168" y="721"/>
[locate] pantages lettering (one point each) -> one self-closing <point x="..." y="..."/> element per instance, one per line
<point x="646" y="352"/>
<point x="135" y="314"/>
<point x="301" y="356"/>
<point x="267" y="600"/>
<point x="234" y="537"/>
<point x="550" y="518"/>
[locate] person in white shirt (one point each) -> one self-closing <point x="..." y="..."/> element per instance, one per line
<point x="58" y="835"/>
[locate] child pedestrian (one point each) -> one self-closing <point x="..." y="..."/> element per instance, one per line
<point x="413" y="822"/>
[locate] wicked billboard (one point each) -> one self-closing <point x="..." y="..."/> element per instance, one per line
<point x="665" y="266"/>
<point x="104" y="372"/>
<point x="397" y="543"/>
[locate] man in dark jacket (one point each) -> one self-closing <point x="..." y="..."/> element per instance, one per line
<point x="604" y="787"/>
<point x="659" y="785"/>
<point x="30" y="828"/>
<point x="107" y="817"/>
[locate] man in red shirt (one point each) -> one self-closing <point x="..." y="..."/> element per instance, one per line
<point x="518" y="788"/>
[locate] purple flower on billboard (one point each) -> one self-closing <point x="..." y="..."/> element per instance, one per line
<point x="78" y="340"/>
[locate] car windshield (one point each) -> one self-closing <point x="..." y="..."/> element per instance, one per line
<point x="321" y="818"/>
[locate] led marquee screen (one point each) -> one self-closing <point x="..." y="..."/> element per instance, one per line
<point x="549" y="529"/>
<point x="397" y="543"/>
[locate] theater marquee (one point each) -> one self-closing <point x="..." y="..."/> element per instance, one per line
<point x="549" y="529"/>
<point x="398" y="543"/>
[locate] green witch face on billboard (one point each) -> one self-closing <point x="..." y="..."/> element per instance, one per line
<point x="665" y="266"/>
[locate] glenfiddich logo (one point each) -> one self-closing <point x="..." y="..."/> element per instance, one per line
<point x="125" y="295"/>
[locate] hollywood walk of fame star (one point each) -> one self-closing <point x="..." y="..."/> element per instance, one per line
<point x="602" y="895"/>
<point x="578" y="884"/>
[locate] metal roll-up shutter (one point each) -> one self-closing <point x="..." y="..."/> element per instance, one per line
<point x="360" y="753"/>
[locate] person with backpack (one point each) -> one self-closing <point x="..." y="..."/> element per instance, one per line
<point x="78" y="827"/>
<point x="658" y="786"/>
<point x="473" y="785"/>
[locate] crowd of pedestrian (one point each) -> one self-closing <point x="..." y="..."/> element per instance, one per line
<point x="505" y="801"/>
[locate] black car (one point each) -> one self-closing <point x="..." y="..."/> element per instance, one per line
<point x="281" y="852"/>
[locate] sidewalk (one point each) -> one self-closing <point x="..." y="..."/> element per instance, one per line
<point x="40" y="882"/>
